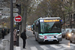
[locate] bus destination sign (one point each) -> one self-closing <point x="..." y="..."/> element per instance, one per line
<point x="51" y="20"/>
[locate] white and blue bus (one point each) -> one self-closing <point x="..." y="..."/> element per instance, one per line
<point x="48" y="29"/>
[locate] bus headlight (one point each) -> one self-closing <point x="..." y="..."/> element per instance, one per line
<point x="59" y="36"/>
<point x="41" y="37"/>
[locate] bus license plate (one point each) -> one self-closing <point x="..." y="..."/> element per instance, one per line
<point x="50" y="37"/>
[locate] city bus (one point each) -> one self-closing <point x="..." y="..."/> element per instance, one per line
<point x="48" y="29"/>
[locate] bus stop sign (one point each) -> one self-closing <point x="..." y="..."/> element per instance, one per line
<point x="18" y="18"/>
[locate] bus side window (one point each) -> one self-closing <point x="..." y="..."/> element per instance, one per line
<point x="37" y="24"/>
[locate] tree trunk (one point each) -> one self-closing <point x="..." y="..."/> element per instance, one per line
<point x="24" y="18"/>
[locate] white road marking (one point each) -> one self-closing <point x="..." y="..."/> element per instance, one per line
<point x="33" y="48"/>
<point x="66" y="46"/>
<point x="72" y="44"/>
<point x="44" y="47"/>
<point x="60" y="47"/>
<point x="55" y="46"/>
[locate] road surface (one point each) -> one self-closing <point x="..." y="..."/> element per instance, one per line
<point x="34" y="45"/>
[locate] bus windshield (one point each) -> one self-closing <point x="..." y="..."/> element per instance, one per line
<point x="50" y="27"/>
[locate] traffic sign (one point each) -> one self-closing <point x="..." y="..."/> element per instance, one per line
<point x="18" y="18"/>
<point x="8" y="10"/>
<point x="2" y="4"/>
<point x="15" y="10"/>
<point x="8" y="14"/>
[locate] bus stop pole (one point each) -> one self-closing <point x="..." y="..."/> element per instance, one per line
<point x="19" y="12"/>
<point x="11" y="15"/>
<point x="17" y="34"/>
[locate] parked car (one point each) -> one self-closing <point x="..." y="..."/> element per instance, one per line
<point x="72" y="39"/>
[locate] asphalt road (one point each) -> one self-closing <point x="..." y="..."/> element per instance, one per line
<point x="34" y="45"/>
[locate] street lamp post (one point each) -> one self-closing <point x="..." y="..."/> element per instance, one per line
<point x="71" y="22"/>
<point x="11" y="15"/>
<point x="49" y="11"/>
<point x="64" y="22"/>
<point x="69" y="19"/>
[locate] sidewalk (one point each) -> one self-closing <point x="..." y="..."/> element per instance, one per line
<point x="7" y="45"/>
<point x="21" y="44"/>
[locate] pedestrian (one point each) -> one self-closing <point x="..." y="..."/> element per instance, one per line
<point x="24" y="37"/>
<point x="3" y="33"/>
<point x="15" y="36"/>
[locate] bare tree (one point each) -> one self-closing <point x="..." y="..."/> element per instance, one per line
<point x="24" y="8"/>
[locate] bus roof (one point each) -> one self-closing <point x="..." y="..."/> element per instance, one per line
<point x="48" y="18"/>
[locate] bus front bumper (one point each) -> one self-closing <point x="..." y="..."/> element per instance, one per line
<point x="55" y="39"/>
<point x="59" y="39"/>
